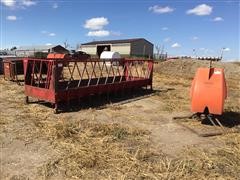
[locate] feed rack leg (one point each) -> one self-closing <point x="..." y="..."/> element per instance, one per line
<point x="26" y="100"/>
<point x="55" y="108"/>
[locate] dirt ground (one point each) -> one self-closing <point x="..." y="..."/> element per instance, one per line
<point x="133" y="140"/>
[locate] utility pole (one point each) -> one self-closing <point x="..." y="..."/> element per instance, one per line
<point x="222" y="53"/>
<point x="195" y="53"/>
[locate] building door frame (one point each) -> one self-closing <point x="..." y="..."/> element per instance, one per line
<point x="103" y="47"/>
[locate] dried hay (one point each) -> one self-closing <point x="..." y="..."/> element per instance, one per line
<point x="85" y="149"/>
<point x="89" y="150"/>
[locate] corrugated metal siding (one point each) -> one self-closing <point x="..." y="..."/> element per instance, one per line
<point x="137" y="48"/>
<point x="122" y="49"/>
<point x="141" y="48"/>
<point x="92" y="50"/>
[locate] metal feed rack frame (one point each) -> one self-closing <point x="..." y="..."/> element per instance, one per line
<point x="62" y="80"/>
<point x="12" y="68"/>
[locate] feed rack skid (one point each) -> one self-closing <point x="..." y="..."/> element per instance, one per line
<point x="62" y="80"/>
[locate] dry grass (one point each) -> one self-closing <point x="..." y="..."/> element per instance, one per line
<point x="178" y="90"/>
<point x="222" y="162"/>
<point x="110" y="151"/>
<point x="86" y="149"/>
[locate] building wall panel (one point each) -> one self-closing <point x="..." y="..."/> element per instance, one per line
<point x="142" y="48"/>
<point x="121" y="49"/>
<point x="92" y="50"/>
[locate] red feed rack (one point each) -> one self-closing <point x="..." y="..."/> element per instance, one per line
<point x="62" y="80"/>
<point x="12" y="68"/>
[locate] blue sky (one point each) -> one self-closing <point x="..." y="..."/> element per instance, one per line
<point x="179" y="25"/>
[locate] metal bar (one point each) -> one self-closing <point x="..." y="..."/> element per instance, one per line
<point x="94" y="69"/>
<point x="111" y="68"/>
<point x="182" y="117"/>
<point x="113" y="73"/>
<point x="49" y="72"/>
<point x="209" y="116"/>
<point x="68" y="82"/>
<point x="79" y="82"/>
<point x="101" y="69"/>
<point x="123" y="73"/>
<point x="71" y="72"/>
<point x="137" y="71"/>
<point x="114" y="76"/>
<point x="107" y="72"/>
<point x="83" y="70"/>
<point x="40" y="74"/>
<point x="93" y="72"/>
<point x="118" y="69"/>
<point x="129" y="71"/>
<point x="150" y="70"/>
<point x="147" y="72"/>
<point x="100" y="73"/>
<point x="220" y="124"/>
<point x="36" y="72"/>
<point x="144" y="71"/>
<point x="211" y="134"/>
<point x="32" y="74"/>
<point x="87" y="70"/>
<point x="15" y="73"/>
<point x="48" y="66"/>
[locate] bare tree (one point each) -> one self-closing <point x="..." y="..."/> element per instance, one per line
<point x="13" y="48"/>
<point x="78" y="46"/>
<point x="65" y="43"/>
<point x="158" y="50"/>
<point x="195" y="53"/>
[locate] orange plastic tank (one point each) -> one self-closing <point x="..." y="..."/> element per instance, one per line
<point x="56" y="56"/>
<point x="208" y="90"/>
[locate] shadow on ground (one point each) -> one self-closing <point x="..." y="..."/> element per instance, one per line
<point x="228" y="119"/>
<point x="102" y="101"/>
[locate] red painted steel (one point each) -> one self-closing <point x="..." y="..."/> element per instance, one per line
<point x="57" y="56"/>
<point x="208" y="90"/>
<point x="12" y="68"/>
<point x="61" y="80"/>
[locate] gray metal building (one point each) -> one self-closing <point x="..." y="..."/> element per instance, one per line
<point x="29" y="51"/>
<point x="139" y="47"/>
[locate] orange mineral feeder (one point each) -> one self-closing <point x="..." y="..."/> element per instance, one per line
<point x="57" y="56"/>
<point x="208" y="91"/>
